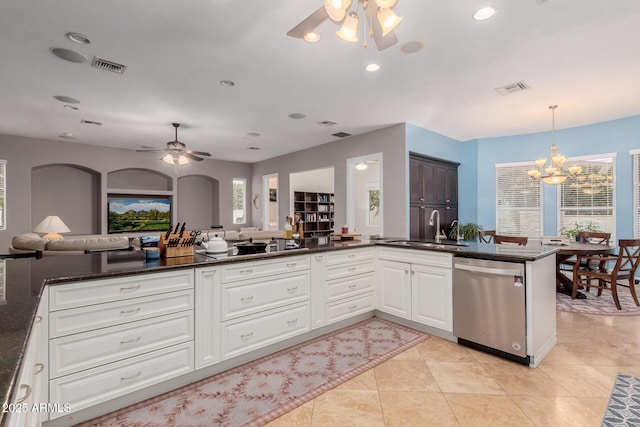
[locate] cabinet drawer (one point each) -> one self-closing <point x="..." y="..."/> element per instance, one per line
<point x="239" y="298"/>
<point x="258" y="331"/>
<point x="93" y="386"/>
<point x="99" y="291"/>
<point x="77" y="352"/>
<point x="250" y="270"/>
<point x="349" y="269"/>
<point x="75" y="320"/>
<point x="344" y="309"/>
<point x="342" y="288"/>
<point x="349" y="255"/>
<point x="417" y="256"/>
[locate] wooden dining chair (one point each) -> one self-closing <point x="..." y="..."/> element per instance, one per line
<point x="587" y="237"/>
<point x="499" y="239"/>
<point x="486" y="236"/>
<point x="626" y="264"/>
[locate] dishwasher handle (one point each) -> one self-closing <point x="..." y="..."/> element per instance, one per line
<point x="488" y="270"/>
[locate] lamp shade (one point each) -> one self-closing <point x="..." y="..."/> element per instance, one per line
<point x="388" y="20"/>
<point x="52" y="225"/>
<point x="349" y="30"/>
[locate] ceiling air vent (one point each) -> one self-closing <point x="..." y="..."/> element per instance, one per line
<point x="512" y="88"/>
<point x="327" y="123"/>
<point x="341" y="134"/>
<point x="105" y="64"/>
<point x="90" y="122"/>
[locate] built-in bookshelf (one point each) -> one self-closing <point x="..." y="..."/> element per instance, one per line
<point x="316" y="210"/>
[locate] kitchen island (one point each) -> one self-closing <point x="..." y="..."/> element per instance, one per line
<point x="344" y="287"/>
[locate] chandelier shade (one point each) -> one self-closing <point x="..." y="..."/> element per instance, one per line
<point x="349" y="30"/>
<point x="388" y="20"/>
<point x="337" y="9"/>
<point x="386" y="4"/>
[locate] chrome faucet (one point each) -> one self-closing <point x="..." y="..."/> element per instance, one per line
<point x="433" y="213"/>
<point x="457" y="224"/>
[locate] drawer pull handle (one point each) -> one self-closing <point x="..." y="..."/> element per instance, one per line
<point x="246" y="271"/>
<point x="39" y="367"/>
<point x="351" y="256"/>
<point x="292" y="290"/>
<point x="353" y="286"/>
<point x="246" y="300"/>
<point x="130" y="288"/>
<point x="130" y="341"/>
<point x="38" y="319"/>
<point x="353" y="307"/>
<point x="27" y="393"/>
<point x="319" y="257"/>
<point x="244" y="336"/>
<point x="352" y="269"/>
<point x="292" y="322"/>
<point x="131" y="377"/>
<point x="126" y="312"/>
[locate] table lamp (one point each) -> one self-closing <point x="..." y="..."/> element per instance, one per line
<point x="52" y="225"/>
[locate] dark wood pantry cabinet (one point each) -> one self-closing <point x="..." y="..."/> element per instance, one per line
<point x="433" y="184"/>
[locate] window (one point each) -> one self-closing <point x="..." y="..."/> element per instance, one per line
<point x="518" y="201"/>
<point x="3" y="194"/>
<point x="588" y="199"/>
<point x="239" y="196"/>
<point x="635" y="155"/>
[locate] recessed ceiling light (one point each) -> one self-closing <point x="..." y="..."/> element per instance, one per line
<point x="66" y="99"/>
<point x="70" y="107"/>
<point x="69" y="55"/>
<point x="312" y="37"/>
<point x="297" y="115"/>
<point x="253" y="134"/>
<point x="227" y="83"/>
<point x="372" y="67"/>
<point x="484" y="13"/>
<point x="412" y="47"/>
<point x="78" y="38"/>
<point x="66" y="135"/>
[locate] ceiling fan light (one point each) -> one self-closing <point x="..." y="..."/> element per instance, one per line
<point x="168" y="158"/>
<point x="312" y="37"/>
<point x="388" y="20"/>
<point x="349" y="30"/>
<point x="336" y="9"/>
<point x="386" y="4"/>
<point x="182" y="160"/>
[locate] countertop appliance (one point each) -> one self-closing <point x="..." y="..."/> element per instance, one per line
<point x="489" y="307"/>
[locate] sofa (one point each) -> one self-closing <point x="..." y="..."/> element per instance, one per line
<point x="29" y="242"/>
<point x="245" y="233"/>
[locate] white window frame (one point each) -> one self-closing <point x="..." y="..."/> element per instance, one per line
<point x="3" y="194"/>
<point x="519" y="167"/>
<point x="635" y="158"/>
<point x="244" y="200"/>
<point x="571" y="160"/>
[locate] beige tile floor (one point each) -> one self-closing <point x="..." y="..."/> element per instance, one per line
<point x="439" y="383"/>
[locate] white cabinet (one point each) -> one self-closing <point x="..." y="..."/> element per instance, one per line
<point x="318" y="290"/>
<point x="112" y="336"/>
<point x="416" y="285"/>
<point x="394" y="290"/>
<point x="207" y="340"/>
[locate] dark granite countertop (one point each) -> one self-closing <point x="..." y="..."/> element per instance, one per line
<point x="24" y="280"/>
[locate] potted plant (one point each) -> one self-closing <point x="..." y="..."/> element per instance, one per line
<point x="574" y="230"/>
<point x="468" y="231"/>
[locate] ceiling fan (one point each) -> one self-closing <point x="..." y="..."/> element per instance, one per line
<point x="176" y="152"/>
<point x="380" y="21"/>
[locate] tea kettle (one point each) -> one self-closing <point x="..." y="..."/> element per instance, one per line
<point x="215" y="245"/>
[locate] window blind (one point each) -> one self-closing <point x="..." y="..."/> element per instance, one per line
<point x="518" y="201"/>
<point x="588" y="199"/>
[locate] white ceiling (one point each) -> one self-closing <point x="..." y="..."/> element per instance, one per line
<point x="580" y="54"/>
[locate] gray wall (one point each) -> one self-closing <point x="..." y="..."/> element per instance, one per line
<point x="24" y="154"/>
<point x="390" y="141"/>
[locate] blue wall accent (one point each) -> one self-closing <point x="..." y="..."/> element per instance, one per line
<point x="616" y="136"/>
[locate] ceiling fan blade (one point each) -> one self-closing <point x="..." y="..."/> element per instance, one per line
<point x="199" y="153"/>
<point x="382" y="43"/>
<point x="309" y="23"/>
<point x="192" y="156"/>
<point x="148" y="151"/>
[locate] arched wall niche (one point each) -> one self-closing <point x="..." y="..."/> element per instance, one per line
<point x="139" y="179"/>
<point x="69" y="191"/>
<point x="198" y="201"/>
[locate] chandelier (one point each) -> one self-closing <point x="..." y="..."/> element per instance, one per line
<point x="554" y="173"/>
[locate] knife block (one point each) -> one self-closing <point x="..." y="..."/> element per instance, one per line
<point x="185" y="245"/>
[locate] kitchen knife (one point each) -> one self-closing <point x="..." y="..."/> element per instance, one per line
<point x="184" y="225"/>
<point x="168" y="233"/>
<point x="177" y="228"/>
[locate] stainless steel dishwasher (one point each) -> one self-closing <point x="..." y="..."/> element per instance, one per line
<point x="489" y="307"/>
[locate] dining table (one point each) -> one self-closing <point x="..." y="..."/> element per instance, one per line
<point x="564" y="284"/>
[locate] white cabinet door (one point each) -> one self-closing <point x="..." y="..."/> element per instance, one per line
<point x="395" y="288"/>
<point x="207" y="330"/>
<point x="432" y="298"/>
<point x="318" y="290"/>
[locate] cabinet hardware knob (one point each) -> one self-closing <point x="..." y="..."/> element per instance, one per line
<point x="319" y="257"/>
<point x="246" y="300"/>
<point x="243" y="336"/>
<point x="353" y="307"/>
<point x="38" y="368"/>
<point x="130" y="288"/>
<point x="448" y="207"/>
<point x="291" y="290"/>
<point x="131" y="377"/>
<point x="292" y="322"/>
<point x="125" y="312"/>
<point x="27" y="393"/>
<point x="38" y="319"/>
<point x="131" y="340"/>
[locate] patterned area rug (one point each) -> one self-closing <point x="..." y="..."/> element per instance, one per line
<point x="602" y="305"/>
<point x="624" y="405"/>
<point x="258" y="392"/>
